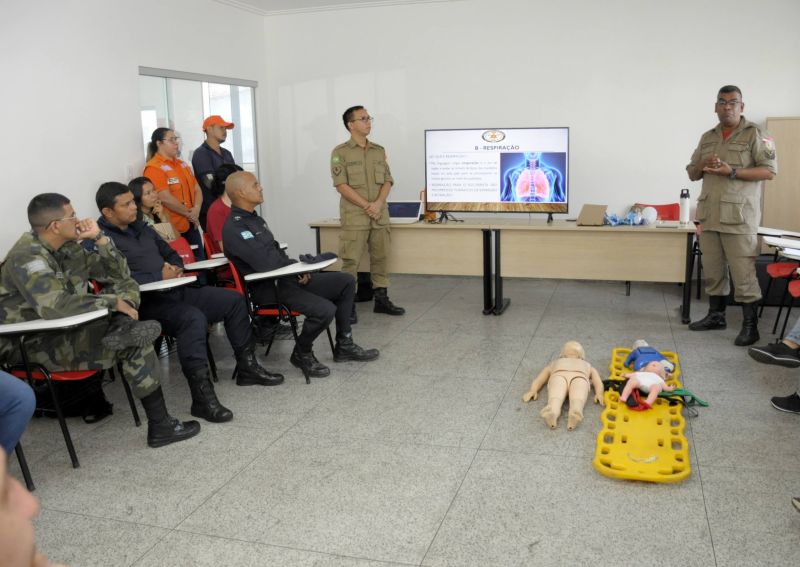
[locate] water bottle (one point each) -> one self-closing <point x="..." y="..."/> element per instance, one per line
<point x="684" y="203"/>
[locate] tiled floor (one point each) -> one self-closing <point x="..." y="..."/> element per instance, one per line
<point x="428" y="456"/>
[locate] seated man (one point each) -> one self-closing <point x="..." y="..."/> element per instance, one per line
<point x="185" y="311"/>
<point x="46" y="275"/>
<point x="786" y="353"/>
<point x="249" y="244"/>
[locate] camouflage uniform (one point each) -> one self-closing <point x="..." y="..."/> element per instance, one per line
<point x="37" y="282"/>
<point x="365" y="170"/>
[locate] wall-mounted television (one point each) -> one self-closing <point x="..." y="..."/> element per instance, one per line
<point x="522" y="170"/>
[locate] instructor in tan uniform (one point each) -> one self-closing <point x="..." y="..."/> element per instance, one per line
<point x="362" y="177"/>
<point x="733" y="159"/>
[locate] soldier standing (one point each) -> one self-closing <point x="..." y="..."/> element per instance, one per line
<point x="46" y="275"/>
<point x="362" y="177"/>
<point x="733" y="159"/>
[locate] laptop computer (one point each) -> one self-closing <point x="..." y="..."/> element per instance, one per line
<point x="592" y="215"/>
<point x="404" y="212"/>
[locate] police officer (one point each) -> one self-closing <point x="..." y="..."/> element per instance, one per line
<point x="362" y="177"/>
<point x="46" y="275"/>
<point x="733" y="159"/>
<point x="320" y="297"/>
<point x="184" y="312"/>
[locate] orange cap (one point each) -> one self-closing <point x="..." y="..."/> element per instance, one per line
<point x="217" y="120"/>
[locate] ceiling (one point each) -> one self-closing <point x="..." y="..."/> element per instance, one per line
<point x="278" y="7"/>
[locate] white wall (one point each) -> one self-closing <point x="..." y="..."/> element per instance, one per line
<point x="634" y="80"/>
<point x="70" y="93"/>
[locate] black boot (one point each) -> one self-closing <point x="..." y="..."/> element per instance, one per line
<point x="364" y="291"/>
<point x="162" y="428"/>
<point x="124" y="332"/>
<point x="346" y="350"/>
<point x="250" y="373"/>
<point x="353" y="315"/>
<point x="204" y="400"/>
<point x="308" y="363"/>
<point x="749" y="333"/>
<point x="715" y="319"/>
<point x="384" y="305"/>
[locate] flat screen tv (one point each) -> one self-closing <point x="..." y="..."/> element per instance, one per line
<point x="523" y="170"/>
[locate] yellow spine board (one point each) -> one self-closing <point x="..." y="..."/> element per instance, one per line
<point x="642" y="445"/>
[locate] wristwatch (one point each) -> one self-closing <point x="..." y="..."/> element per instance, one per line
<point x="100" y="235"/>
<point x="733" y="173"/>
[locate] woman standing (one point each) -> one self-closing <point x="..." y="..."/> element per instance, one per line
<point x="176" y="185"/>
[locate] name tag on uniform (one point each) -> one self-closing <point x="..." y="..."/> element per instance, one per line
<point x="173" y="180"/>
<point x="247" y="235"/>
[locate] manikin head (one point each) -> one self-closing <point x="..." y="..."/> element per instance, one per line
<point x="656" y="368"/>
<point x="572" y="349"/>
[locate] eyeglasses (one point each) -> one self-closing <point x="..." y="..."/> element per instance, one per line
<point x="172" y="140"/>
<point x="363" y="119"/>
<point x="727" y="103"/>
<point x="73" y="217"/>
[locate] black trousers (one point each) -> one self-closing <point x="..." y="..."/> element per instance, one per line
<point x="185" y="312"/>
<point x="327" y="296"/>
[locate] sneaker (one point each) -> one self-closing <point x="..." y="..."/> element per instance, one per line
<point x="776" y="353"/>
<point x="789" y="404"/>
<point x="124" y="332"/>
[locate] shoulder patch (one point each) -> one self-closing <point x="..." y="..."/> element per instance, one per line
<point x="246" y="235"/>
<point x="36" y="266"/>
<point x="336" y="159"/>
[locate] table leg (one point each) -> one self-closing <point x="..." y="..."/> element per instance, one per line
<point x="500" y="303"/>
<point x="687" y="281"/>
<point x="487" y="272"/>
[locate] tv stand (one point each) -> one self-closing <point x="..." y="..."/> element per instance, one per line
<point x="549" y="218"/>
<point x="445" y="217"/>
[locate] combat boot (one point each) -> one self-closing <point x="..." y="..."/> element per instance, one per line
<point x="384" y="305"/>
<point x="125" y="332"/>
<point x="749" y="333"/>
<point x="715" y="318"/>
<point x="308" y="363"/>
<point x="162" y="428"/>
<point x="346" y="350"/>
<point x="364" y="291"/>
<point x="205" y="403"/>
<point x="250" y="373"/>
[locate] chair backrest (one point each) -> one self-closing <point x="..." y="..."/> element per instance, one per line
<point x="208" y="244"/>
<point x="669" y="211"/>
<point x="238" y="282"/>
<point x="181" y="246"/>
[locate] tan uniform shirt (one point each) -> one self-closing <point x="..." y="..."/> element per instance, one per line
<point x="733" y="205"/>
<point x="365" y="170"/>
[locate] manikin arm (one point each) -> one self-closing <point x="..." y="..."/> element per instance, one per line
<point x="598" y="387"/>
<point x="537" y="384"/>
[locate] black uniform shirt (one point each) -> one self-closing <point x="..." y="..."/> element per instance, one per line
<point x="144" y="249"/>
<point x="249" y="244"/>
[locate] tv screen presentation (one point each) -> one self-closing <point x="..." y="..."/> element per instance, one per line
<point x="521" y="170"/>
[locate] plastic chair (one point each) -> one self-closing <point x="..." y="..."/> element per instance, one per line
<point x="184" y="250"/>
<point x="793" y="288"/>
<point x="23" y="466"/>
<point x="278" y="310"/>
<point x="39" y="372"/>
